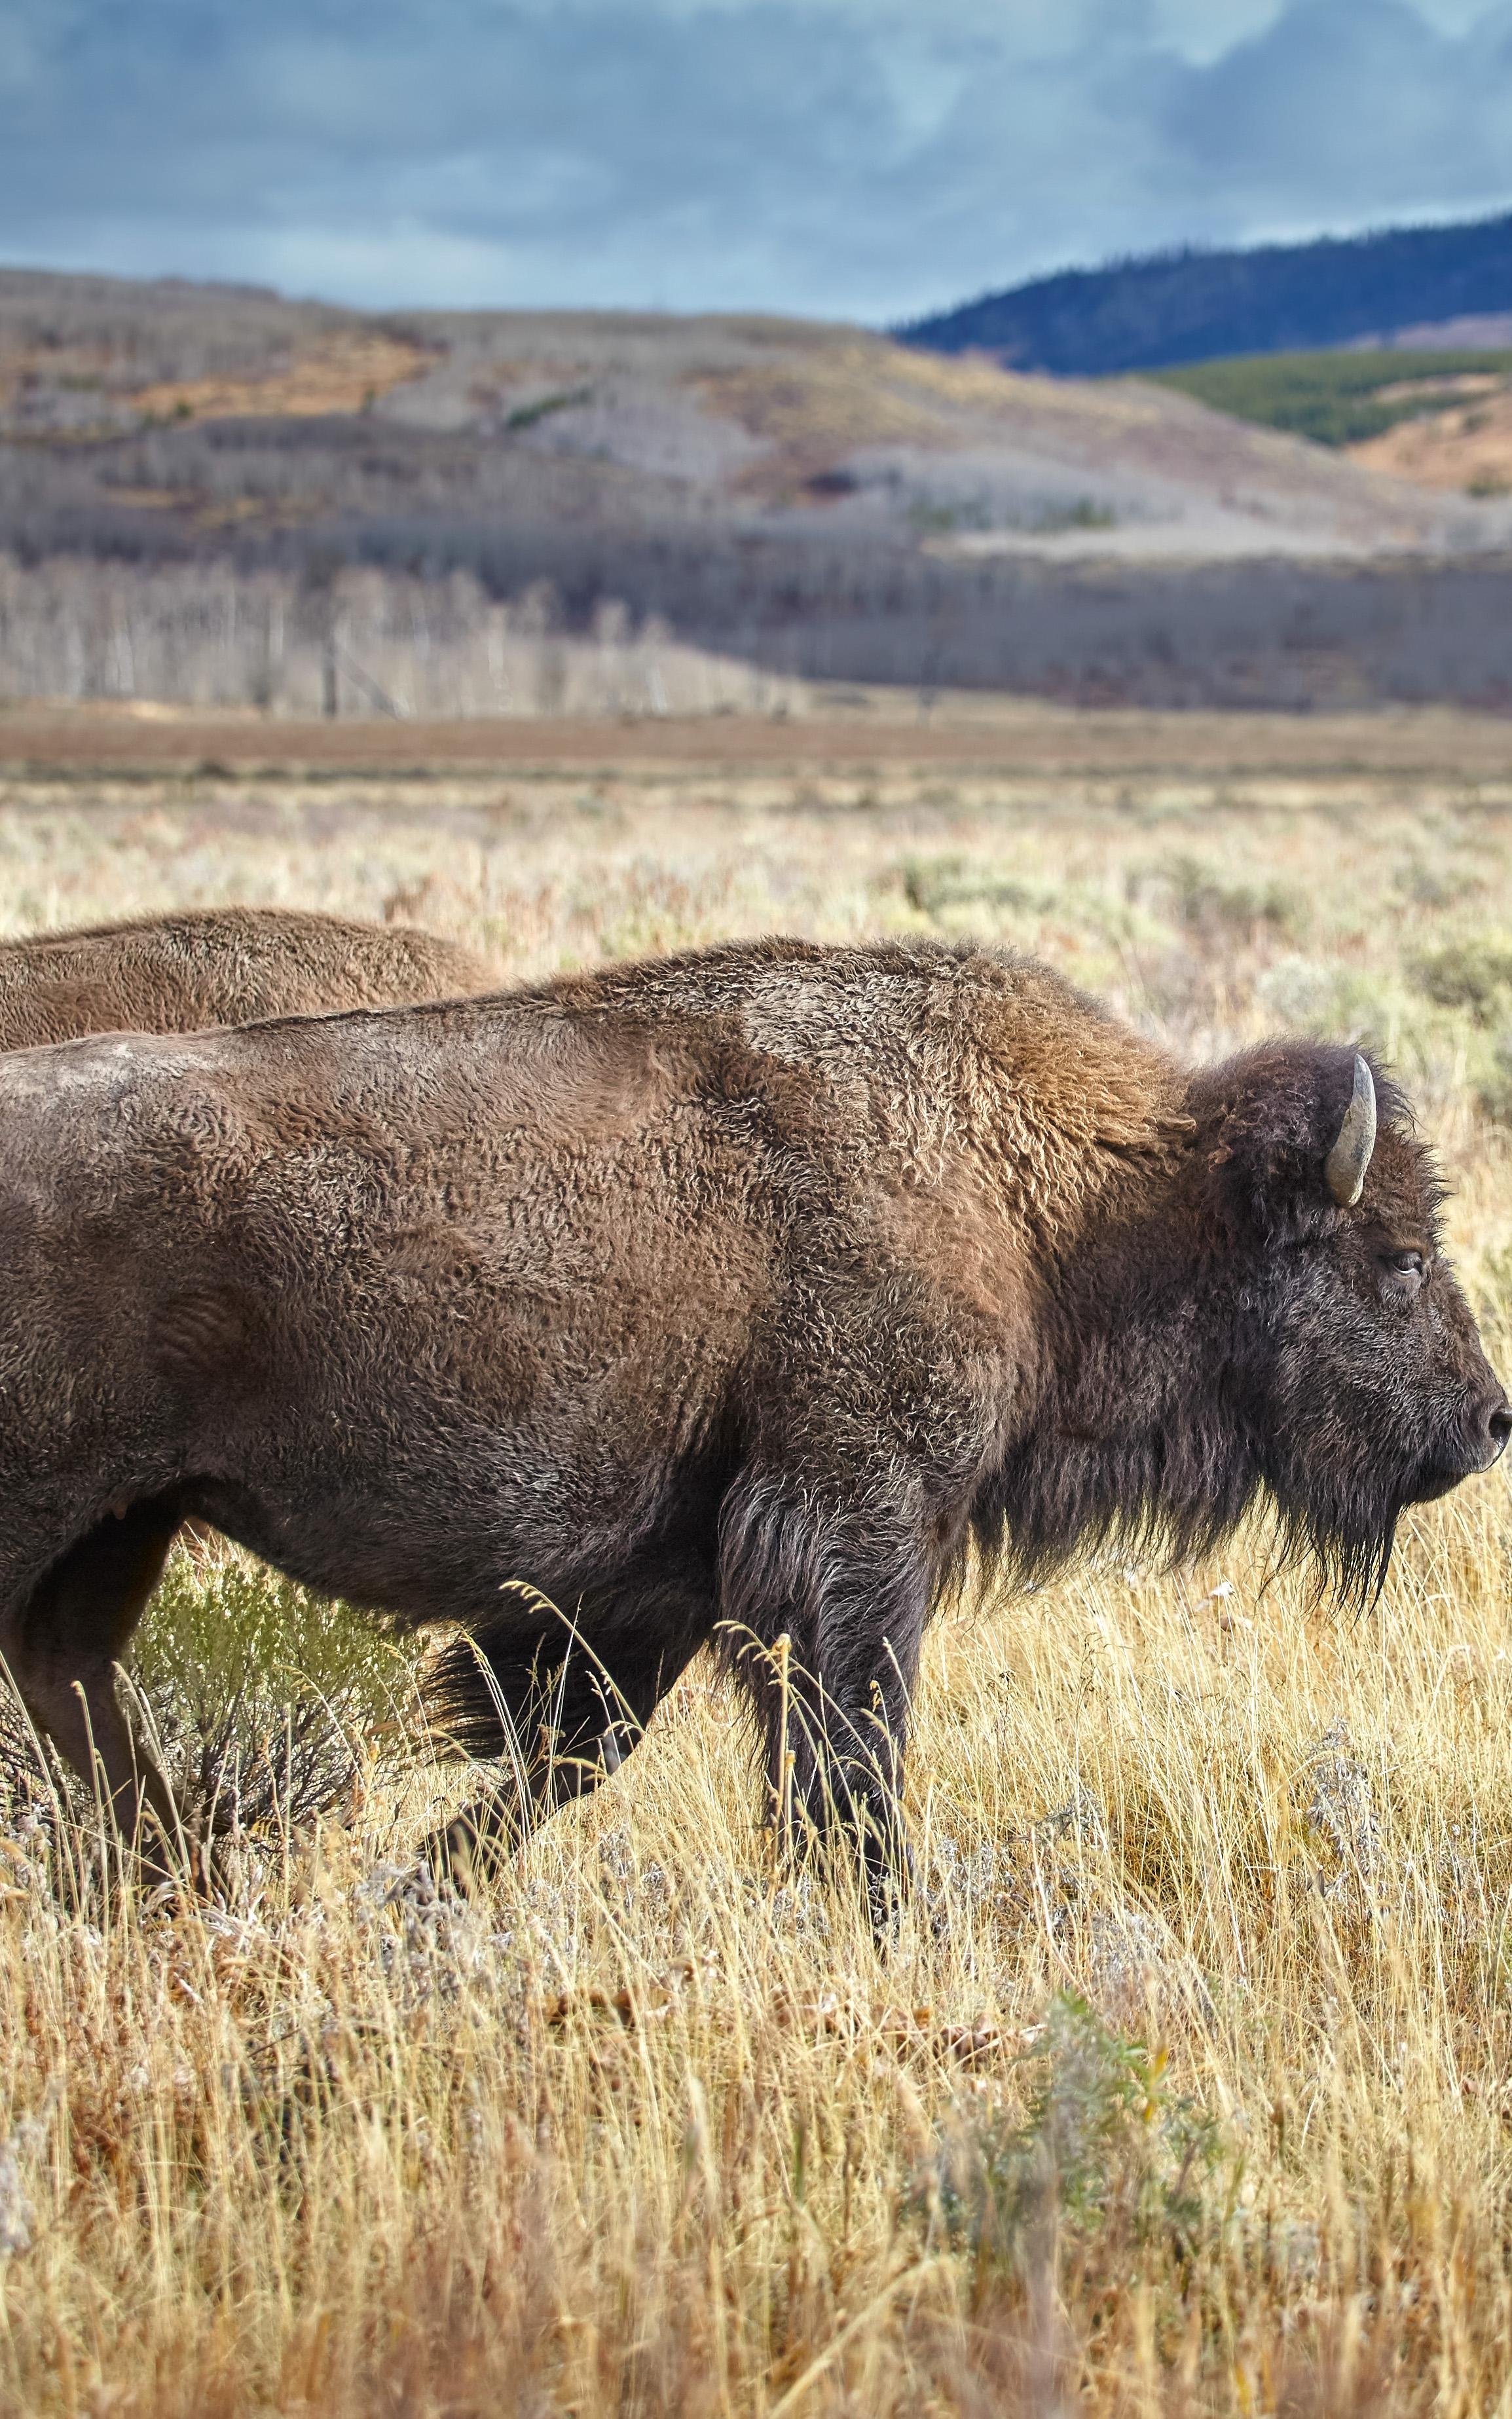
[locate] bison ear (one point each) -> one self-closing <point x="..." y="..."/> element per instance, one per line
<point x="1289" y="1132"/>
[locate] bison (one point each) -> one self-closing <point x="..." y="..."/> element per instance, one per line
<point x="217" y="965"/>
<point x="734" y="1298"/>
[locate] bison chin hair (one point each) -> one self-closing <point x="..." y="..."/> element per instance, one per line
<point x="1172" y="1497"/>
<point x="1347" y="1537"/>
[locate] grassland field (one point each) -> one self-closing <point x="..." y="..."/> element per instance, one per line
<point x="1442" y="419"/>
<point x="1339" y="397"/>
<point x="1186" y="2085"/>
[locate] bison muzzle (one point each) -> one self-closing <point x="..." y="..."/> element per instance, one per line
<point x="729" y="1298"/>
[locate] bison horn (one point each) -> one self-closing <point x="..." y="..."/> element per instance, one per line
<point x="1346" y="1165"/>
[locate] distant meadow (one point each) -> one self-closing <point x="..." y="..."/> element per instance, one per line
<point x="1184" y="2085"/>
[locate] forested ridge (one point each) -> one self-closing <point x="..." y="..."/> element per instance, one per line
<point x="1196" y="305"/>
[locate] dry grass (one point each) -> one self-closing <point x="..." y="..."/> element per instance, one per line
<point x="347" y="371"/>
<point x="1158" y="765"/>
<point x="1468" y="445"/>
<point x="1185" y="2086"/>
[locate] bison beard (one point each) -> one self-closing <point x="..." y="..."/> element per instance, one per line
<point x="724" y="1300"/>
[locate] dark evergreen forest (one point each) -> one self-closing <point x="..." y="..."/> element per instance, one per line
<point x="1192" y="306"/>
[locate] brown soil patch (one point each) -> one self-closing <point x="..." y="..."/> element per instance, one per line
<point x="341" y="374"/>
<point x="1468" y="447"/>
<point x="812" y="410"/>
<point x="986" y="735"/>
<point x="217" y="513"/>
<point x="815" y="404"/>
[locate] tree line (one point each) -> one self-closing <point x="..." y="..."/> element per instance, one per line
<point x="588" y="628"/>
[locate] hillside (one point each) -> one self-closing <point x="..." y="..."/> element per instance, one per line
<point x="820" y="501"/>
<point x="163" y="421"/>
<point x="1442" y="419"/>
<point x="1191" y="306"/>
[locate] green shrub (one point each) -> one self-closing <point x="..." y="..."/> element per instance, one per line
<point x="1473" y="974"/>
<point x="1335" y="399"/>
<point x="1493" y="1091"/>
<point x="937" y="886"/>
<point x="261" y="1695"/>
<point x="261" y="1699"/>
<point x="1301" y="995"/>
<point x="528" y="415"/>
<point x="1205" y="903"/>
<point x="1102" y="2149"/>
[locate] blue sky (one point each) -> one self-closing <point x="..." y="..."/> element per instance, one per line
<point x="861" y="158"/>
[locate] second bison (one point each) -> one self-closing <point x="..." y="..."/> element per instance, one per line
<point x="727" y="1298"/>
<point x="217" y="965"/>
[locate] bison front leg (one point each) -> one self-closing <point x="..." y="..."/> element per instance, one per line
<point x="824" y="1606"/>
<point x="62" y="1642"/>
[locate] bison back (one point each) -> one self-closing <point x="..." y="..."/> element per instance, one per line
<point x="231" y="965"/>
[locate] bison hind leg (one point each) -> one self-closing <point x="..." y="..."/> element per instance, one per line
<point x="62" y="1643"/>
<point x="557" y="1704"/>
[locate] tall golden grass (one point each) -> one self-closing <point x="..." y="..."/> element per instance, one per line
<point x="1185" y="2085"/>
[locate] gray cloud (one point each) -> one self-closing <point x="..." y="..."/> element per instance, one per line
<point x="1347" y="106"/>
<point x="806" y="155"/>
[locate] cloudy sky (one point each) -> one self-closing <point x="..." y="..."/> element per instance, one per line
<point x="851" y="157"/>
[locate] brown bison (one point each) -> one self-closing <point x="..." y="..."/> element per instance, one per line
<point x="217" y="965"/>
<point x="730" y="1298"/>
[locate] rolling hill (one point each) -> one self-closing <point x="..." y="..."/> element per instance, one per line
<point x="821" y="501"/>
<point x="1440" y="419"/>
<point x="1448" y="284"/>
<point x="157" y="422"/>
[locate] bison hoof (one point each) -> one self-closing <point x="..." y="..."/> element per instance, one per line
<point x="472" y="1850"/>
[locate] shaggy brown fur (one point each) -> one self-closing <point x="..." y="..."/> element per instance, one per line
<point x="725" y="1298"/>
<point x="217" y="965"/>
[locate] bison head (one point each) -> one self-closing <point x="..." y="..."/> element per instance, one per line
<point x="1356" y="1374"/>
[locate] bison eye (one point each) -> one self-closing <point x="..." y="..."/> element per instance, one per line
<point x="1405" y="1266"/>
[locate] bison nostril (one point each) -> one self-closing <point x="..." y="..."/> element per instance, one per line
<point x="1499" y="1424"/>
